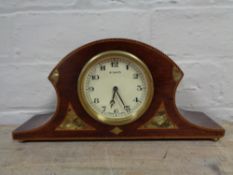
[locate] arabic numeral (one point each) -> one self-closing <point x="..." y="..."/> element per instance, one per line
<point x="116" y="111"/>
<point x="90" y="88"/>
<point x="137" y="100"/>
<point x="139" y="88"/>
<point x="95" y="77"/>
<point x="102" y="67"/>
<point x="135" y="76"/>
<point x="114" y="63"/>
<point x="127" y="108"/>
<point x="103" y="108"/>
<point x="96" y="100"/>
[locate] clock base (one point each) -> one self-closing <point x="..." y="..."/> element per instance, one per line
<point x="35" y="129"/>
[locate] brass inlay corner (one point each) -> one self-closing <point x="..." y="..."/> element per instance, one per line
<point x="73" y="122"/>
<point x="54" y="76"/>
<point x="160" y="120"/>
<point x="216" y="139"/>
<point x="176" y="73"/>
<point x="116" y="130"/>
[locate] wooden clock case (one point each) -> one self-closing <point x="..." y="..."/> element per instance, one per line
<point x="162" y="120"/>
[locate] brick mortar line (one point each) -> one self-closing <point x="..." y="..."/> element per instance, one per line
<point x="52" y="10"/>
<point x="73" y="10"/>
<point x="30" y="64"/>
<point x="180" y="61"/>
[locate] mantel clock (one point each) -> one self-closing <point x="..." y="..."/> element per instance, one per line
<point x="117" y="89"/>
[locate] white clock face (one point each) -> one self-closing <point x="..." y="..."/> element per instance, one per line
<point x="115" y="87"/>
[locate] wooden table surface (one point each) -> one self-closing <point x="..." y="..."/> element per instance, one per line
<point x="116" y="157"/>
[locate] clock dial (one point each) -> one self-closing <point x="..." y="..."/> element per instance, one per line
<point x="115" y="87"/>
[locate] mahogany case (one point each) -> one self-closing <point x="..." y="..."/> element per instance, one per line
<point x="162" y="120"/>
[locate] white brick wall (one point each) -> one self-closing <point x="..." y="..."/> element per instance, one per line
<point x="36" y="34"/>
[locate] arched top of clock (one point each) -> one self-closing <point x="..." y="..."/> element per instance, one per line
<point x="162" y="120"/>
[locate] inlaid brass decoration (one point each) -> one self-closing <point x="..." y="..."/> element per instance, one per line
<point x="54" y="76"/>
<point x="116" y="130"/>
<point x="176" y="73"/>
<point x="160" y="120"/>
<point x="73" y="122"/>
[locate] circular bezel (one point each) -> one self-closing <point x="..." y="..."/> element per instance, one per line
<point x="98" y="116"/>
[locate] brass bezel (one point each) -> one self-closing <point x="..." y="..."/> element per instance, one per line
<point x="115" y="121"/>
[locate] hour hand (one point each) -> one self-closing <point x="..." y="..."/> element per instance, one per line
<point x="112" y="102"/>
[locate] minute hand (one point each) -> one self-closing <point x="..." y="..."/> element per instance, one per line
<point x="120" y="98"/>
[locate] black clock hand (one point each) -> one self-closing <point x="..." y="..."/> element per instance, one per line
<point x="120" y="98"/>
<point x="125" y="107"/>
<point x="112" y="102"/>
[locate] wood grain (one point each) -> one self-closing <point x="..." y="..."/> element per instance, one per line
<point x="116" y="157"/>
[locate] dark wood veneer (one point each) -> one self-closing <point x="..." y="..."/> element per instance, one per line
<point x="190" y="125"/>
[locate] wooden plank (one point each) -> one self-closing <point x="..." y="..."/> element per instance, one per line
<point x="116" y="157"/>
